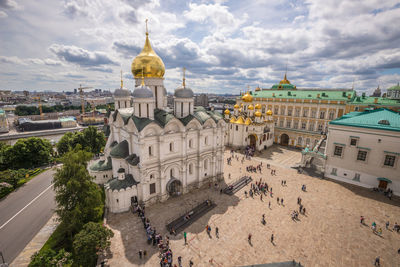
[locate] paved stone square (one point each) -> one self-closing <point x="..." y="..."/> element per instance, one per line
<point x="329" y="234"/>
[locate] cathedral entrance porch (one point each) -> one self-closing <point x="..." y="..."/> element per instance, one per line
<point x="284" y="140"/>
<point x="174" y="187"/>
<point x="253" y="140"/>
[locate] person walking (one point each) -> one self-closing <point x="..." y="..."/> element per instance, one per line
<point x="216" y="232"/>
<point x="140" y="254"/>
<point x="387" y="225"/>
<point x="377" y="261"/>
<point x="191" y="263"/>
<point x="184" y="236"/>
<point x="272" y="238"/>
<point x="180" y="261"/>
<point x="277" y="200"/>
<point x="269" y="204"/>
<point x="282" y="201"/>
<point x="249" y="239"/>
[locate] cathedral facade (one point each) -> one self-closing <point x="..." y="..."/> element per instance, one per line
<point x="153" y="153"/>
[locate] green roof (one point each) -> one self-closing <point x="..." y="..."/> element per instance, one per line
<point x="115" y="184"/>
<point x="121" y="150"/>
<point x="133" y="159"/>
<point x="383" y="119"/>
<point x="371" y="101"/>
<point x="102" y="165"/>
<point x="395" y="87"/>
<point x="327" y="94"/>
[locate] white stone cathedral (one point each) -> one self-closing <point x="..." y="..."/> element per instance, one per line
<point x="153" y="154"/>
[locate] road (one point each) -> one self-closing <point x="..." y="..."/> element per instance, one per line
<point x="24" y="212"/>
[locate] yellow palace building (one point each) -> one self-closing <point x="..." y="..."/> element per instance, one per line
<point x="301" y="116"/>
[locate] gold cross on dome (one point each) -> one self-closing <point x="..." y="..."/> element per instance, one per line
<point x="147" y="31"/>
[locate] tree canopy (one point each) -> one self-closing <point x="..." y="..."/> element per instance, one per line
<point x="26" y="153"/>
<point x="90" y="139"/>
<point x="91" y="239"/>
<point x="78" y="198"/>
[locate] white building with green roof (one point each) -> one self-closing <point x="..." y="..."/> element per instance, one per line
<point x="152" y="153"/>
<point x="363" y="148"/>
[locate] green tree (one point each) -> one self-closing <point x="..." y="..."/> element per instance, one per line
<point x="4" y="159"/>
<point x="91" y="239"/>
<point x="78" y="198"/>
<point x="50" y="258"/>
<point x="29" y="153"/>
<point x="90" y="139"/>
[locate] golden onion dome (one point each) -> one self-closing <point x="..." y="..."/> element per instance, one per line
<point x="269" y="112"/>
<point x="247" y="97"/>
<point x="257" y="114"/>
<point x="257" y="106"/>
<point x="227" y="112"/>
<point x="258" y="89"/>
<point x="236" y="106"/>
<point x="285" y="80"/>
<point x="148" y="61"/>
<point x="251" y="107"/>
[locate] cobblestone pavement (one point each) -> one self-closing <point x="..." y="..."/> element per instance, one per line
<point x="330" y="233"/>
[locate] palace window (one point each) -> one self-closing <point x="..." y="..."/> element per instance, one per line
<point x="300" y="141"/>
<point x="288" y="124"/>
<point x="152" y="188"/>
<point x="276" y="109"/>
<point x="320" y="127"/>
<point x="297" y="112"/>
<point x="313" y="113"/>
<point x="303" y="125"/>
<point x="311" y="127"/>
<point x="296" y="125"/>
<point x="289" y="112"/>
<point x="338" y="151"/>
<point x="305" y="112"/>
<point x="389" y="160"/>
<point x="353" y="141"/>
<point x="281" y="123"/>
<point x="322" y="115"/>
<point x="362" y="155"/>
<point x="282" y="110"/>
<point x="331" y="115"/>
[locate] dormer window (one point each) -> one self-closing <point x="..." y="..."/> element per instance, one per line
<point x="384" y="122"/>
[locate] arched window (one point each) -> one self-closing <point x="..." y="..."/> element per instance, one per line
<point x="191" y="168"/>
<point x="171" y="147"/>
<point x="206" y="140"/>
<point x="171" y="173"/>
<point x="300" y="141"/>
<point x="151" y="176"/>
<point x="150" y="151"/>
<point x="206" y="164"/>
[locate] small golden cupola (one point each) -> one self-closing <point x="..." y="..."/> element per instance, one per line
<point x="148" y="61"/>
<point x="258" y="106"/>
<point x="250" y="107"/>
<point x="247" y="97"/>
<point x="285" y="80"/>
<point x="236" y="106"/>
<point x="257" y="114"/>
<point x="227" y="112"/>
<point x="269" y="112"/>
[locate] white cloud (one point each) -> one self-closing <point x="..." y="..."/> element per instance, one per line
<point x="3" y="14"/>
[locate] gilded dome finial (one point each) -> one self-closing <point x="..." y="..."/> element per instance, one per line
<point x="147" y="30"/>
<point x="142" y="76"/>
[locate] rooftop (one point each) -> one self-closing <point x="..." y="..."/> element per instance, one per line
<point x="323" y="94"/>
<point x="382" y="119"/>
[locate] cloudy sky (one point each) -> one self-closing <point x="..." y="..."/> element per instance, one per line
<point x="225" y="45"/>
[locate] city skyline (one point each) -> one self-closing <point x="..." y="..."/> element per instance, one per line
<point x="225" y="46"/>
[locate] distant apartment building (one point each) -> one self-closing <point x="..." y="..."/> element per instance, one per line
<point x="201" y="100"/>
<point x="363" y="148"/>
<point x="3" y="122"/>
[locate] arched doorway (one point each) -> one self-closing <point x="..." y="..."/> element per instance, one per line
<point x="284" y="139"/>
<point x="253" y="140"/>
<point x="174" y="187"/>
